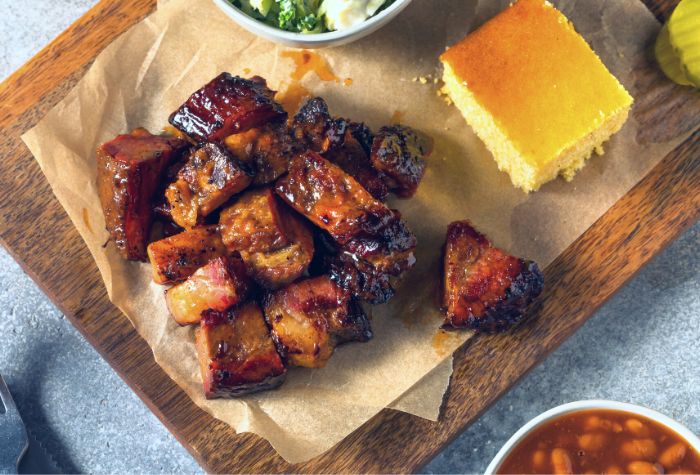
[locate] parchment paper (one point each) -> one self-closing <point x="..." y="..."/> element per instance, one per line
<point x="147" y="72"/>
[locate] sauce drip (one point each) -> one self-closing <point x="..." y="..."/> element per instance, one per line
<point x="397" y="117"/>
<point x="292" y="93"/>
<point x="246" y="70"/>
<point x="86" y="220"/>
<point x="308" y="61"/>
<point x="292" y="97"/>
<point x="347" y="82"/>
<point x="441" y="342"/>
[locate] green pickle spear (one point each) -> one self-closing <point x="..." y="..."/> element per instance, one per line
<point x="684" y="36"/>
<point x="669" y="62"/>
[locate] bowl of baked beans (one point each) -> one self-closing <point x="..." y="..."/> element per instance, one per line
<point x="597" y="436"/>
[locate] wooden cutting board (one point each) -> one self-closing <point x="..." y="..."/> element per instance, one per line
<point x="36" y="231"/>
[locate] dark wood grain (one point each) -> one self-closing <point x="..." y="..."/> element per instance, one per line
<point x="36" y="231"/>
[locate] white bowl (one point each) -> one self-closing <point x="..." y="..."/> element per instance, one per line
<point x="583" y="405"/>
<point x="313" y="40"/>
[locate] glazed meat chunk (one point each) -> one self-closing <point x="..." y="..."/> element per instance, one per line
<point x="397" y="152"/>
<point x="331" y="199"/>
<point x="218" y="285"/>
<point x="484" y="288"/>
<point x="316" y="129"/>
<point x="267" y="150"/>
<point x="236" y="354"/>
<point x="177" y="257"/>
<point x="366" y="266"/>
<point x="275" y="243"/>
<point x="255" y="222"/>
<point x="347" y="144"/>
<point x="209" y="178"/>
<point x="227" y="105"/>
<point x="352" y="158"/>
<point x="129" y="168"/>
<point x="309" y="318"/>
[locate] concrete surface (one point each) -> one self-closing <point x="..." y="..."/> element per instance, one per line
<point x="641" y="347"/>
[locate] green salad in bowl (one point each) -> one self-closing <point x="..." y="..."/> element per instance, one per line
<point x="311" y="16"/>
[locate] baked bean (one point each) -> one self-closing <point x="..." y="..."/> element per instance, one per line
<point x="643" y="467"/>
<point x="539" y="460"/>
<point x="561" y="462"/>
<point x="639" y="449"/>
<point x="680" y="471"/>
<point x="672" y="455"/>
<point x="597" y="423"/>
<point x="613" y="470"/>
<point x="637" y="428"/>
<point x="592" y="441"/>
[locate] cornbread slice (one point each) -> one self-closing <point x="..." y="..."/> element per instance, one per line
<point x="534" y="92"/>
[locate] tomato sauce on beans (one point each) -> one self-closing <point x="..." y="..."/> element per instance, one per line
<point x="602" y="441"/>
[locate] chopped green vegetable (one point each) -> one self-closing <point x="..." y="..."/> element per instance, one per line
<point x="303" y="16"/>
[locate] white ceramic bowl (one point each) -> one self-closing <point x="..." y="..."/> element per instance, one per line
<point x="313" y="40"/>
<point x="583" y="405"/>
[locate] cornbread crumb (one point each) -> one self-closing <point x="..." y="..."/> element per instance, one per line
<point x="543" y="113"/>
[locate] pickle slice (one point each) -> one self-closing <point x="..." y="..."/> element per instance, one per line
<point x="684" y="36"/>
<point x="669" y="62"/>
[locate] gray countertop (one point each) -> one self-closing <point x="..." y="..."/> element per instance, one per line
<point x="641" y="347"/>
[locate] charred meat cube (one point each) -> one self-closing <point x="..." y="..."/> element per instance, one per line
<point x="332" y="199"/>
<point x="129" y="168"/>
<point x="365" y="266"/>
<point x="267" y="150"/>
<point x="218" y="285"/>
<point x="227" y="105"/>
<point x="275" y="243"/>
<point x="484" y="288"/>
<point x="209" y="178"/>
<point x="254" y="222"/>
<point x="361" y="279"/>
<point x="316" y="129"/>
<point x="347" y="144"/>
<point x="352" y="158"/>
<point x="309" y="318"/>
<point x="236" y="354"/>
<point x="273" y="269"/>
<point x="389" y="251"/>
<point x="177" y="257"/>
<point x="397" y="152"/>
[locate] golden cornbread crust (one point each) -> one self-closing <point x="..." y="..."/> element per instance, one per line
<point x="534" y="92"/>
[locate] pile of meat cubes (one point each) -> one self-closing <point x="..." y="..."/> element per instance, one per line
<point x="270" y="232"/>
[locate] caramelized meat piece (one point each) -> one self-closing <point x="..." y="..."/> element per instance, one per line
<point x="129" y="169"/>
<point x="275" y="243"/>
<point x="267" y="150"/>
<point x="177" y="257"/>
<point x="314" y="127"/>
<point x="254" y="222"/>
<point x="361" y="279"/>
<point x="484" y="288"/>
<point x="274" y="269"/>
<point x="209" y="178"/>
<point x="220" y="284"/>
<point x="397" y="152"/>
<point x="311" y="317"/>
<point x="331" y="198"/>
<point x="347" y="144"/>
<point x="227" y="105"/>
<point x="236" y="354"/>
<point x="366" y="265"/>
<point x="352" y="158"/>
